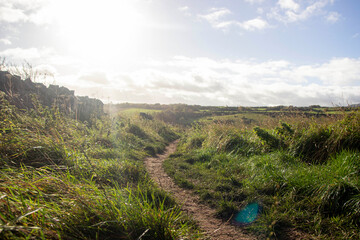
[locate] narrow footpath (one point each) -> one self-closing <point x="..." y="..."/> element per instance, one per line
<point x="205" y="216"/>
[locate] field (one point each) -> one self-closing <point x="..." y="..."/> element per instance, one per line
<point x="179" y="120"/>
<point x="300" y="171"/>
<point x="296" y="169"/>
<point x="64" y="179"/>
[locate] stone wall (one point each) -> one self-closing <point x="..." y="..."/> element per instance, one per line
<point x="22" y="94"/>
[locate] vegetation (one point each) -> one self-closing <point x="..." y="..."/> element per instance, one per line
<point x="281" y="168"/>
<point x="302" y="171"/>
<point x="64" y="179"/>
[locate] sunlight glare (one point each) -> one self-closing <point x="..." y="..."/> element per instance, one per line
<point x="106" y="30"/>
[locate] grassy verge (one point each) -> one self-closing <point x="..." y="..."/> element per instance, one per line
<point x="63" y="179"/>
<point x="303" y="175"/>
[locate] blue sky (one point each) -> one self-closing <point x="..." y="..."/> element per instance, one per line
<point x="215" y="52"/>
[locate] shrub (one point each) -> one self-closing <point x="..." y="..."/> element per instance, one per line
<point x="167" y="134"/>
<point x="237" y="144"/>
<point x="346" y="133"/>
<point x="137" y="131"/>
<point x="195" y="142"/>
<point x="284" y="130"/>
<point x="268" y="139"/>
<point x="146" y="116"/>
<point x="317" y="143"/>
<point x="312" y="145"/>
<point x="150" y="150"/>
<point x="204" y="156"/>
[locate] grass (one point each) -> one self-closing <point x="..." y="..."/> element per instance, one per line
<point x="303" y="173"/>
<point x="64" y="179"/>
<point x="45" y="204"/>
<point x="135" y="111"/>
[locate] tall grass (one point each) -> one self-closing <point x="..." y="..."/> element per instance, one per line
<point x="64" y="179"/>
<point x="304" y="173"/>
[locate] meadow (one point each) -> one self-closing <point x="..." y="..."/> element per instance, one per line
<point x="65" y="179"/>
<point x="301" y="171"/>
<point x="61" y="178"/>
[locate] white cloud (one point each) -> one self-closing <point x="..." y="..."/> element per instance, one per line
<point x="11" y="15"/>
<point x="216" y="20"/>
<point x="35" y="11"/>
<point x="208" y="81"/>
<point x="97" y="77"/>
<point x="184" y="8"/>
<point x="286" y="11"/>
<point x="290" y="11"/>
<point x="28" y="54"/>
<point x="288" y="4"/>
<point x="20" y="53"/>
<point x="215" y="16"/>
<point x="254" y="24"/>
<point x="333" y="17"/>
<point x="28" y="4"/>
<point x="13" y="11"/>
<point x="5" y="41"/>
<point x="336" y="72"/>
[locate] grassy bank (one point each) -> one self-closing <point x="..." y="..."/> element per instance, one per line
<point x="303" y="173"/>
<point x="64" y="179"/>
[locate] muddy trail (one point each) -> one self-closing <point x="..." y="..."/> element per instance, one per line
<point x="213" y="227"/>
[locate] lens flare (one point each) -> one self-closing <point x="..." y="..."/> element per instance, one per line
<point x="248" y="214"/>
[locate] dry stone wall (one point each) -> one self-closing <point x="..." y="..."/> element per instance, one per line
<point x="22" y="93"/>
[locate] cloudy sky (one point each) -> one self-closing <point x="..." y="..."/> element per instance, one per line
<point x="214" y="52"/>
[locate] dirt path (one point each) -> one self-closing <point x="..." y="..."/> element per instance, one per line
<point x="214" y="228"/>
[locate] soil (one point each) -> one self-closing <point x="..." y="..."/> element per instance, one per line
<point x="212" y="227"/>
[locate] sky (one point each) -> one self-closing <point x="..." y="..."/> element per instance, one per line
<point x="214" y="52"/>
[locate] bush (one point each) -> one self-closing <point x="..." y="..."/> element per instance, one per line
<point x="137" y="131"/>
<point x="268" y="139"/>
<point x="195" y="142"/>
<point x="146" y="116"/>
<point x="236" y="143"/>
<point x="312" y="146"/>
<point x="284" y="130"/>
<point x="167" y="134"/>
<point x="317" y="143"/>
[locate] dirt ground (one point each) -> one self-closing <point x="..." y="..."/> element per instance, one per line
<point x="213" y="227"/>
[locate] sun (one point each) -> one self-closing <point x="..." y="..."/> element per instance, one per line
<point x="105" y="31"/>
